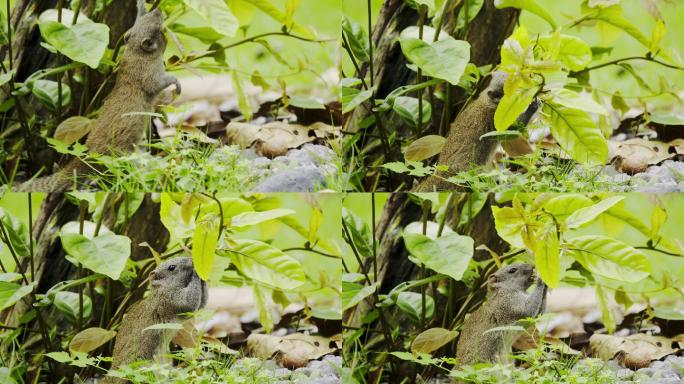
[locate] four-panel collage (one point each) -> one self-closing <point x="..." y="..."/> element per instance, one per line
<point x="341" y="191"/>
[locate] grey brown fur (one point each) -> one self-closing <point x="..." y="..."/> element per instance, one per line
<point x="140" y="78"/>
<point x="464" y="148"/>
<point x="175" y="289"/>
<point x="507" y="302"/>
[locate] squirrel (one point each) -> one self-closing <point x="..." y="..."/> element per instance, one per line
<point x="463" y="148"/>
<point x="176" y="289"/>
<point x="507" y="302"/>
<point x="141" y="76"/>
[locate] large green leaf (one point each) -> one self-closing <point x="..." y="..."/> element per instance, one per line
<point x="573" y="52"/>
<point x="248" y="219"/>
<point x="10" y="293"/>
<point x="67" y="303"/>
<point x="432" y="339"/>
<point x="266" y="264"/>
<point x="527" y="5"/>
<point x="407" y="108"/>
<point x="357" y="38"/>
<point x="619" y="212"/>
<point x="354" y="293"/>
<point x="204" y="243"/>
<point x="411" y="304"/>
<point x="574" y="100"/>
<point x="84" y="42"/>
<point x="360" y="233"/>
<point x="547" y="256"/>
<point x="564" y="205"/>
<point x="519" y="91"/>
<point x="105" y="254"/>
<point x="47" y="91"/>
<point x="217" y="14"/>
<point x="352" y="98"/>
<point x="268" y="8"/>
<point x="577" y="133"/>
<point x="607" y="257"/>
<point x="588" y="214"/>
<point x="509" y="223"/>
<point x="444" y="59"/>
<point x="17" y="233"/>
<point x="468" y="12"/>
<point x="449" y="254"/>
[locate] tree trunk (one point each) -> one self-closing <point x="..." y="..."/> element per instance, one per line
<point x="486" y="33"/>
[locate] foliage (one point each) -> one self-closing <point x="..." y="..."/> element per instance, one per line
<point x="282" y="249"/>
<point x="201" y="34"/>
<point x="616" y="244"/>
<point x="552" y="67"/>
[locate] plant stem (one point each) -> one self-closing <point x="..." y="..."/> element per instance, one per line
<point x="618" y="61"/>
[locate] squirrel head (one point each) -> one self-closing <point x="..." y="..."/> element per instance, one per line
<point x="173" y="274"/>
<point x="146" y="36"/>
<point x="517" y="277"/>
<point x="495" y="89"/>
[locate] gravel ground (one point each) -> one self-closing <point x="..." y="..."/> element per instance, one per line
<point x="325" y="371"/>
<point x="666" y="177"/>
<point x="308" y="169"/>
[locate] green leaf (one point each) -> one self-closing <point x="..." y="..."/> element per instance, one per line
<point x="360" y="233"/>
<point x="354" y="293"/>
<point x="448" y="254"/>
<point x="424" y="148"/>
<point x="564" y="205"/>
<point x="574" y="100"/>
<point x="173" y="326"/>
<point x="607" y="313"/>
<point x="397" y="167"/>
<point x="203" y="33"/>
<point x="10" y="293"/>
<point x="217" y="14"/>
<point x="5" y="78"/>
<point x="471" y="8"/>
<point x="411" y="304"/>
<point x="588" y="214"/>
<point x="509" y="223"/>
<point x="19" y="236"/>
<point x="306" y="103"/>
<point x="577" y="133"/>
<point x="249" y="219"/>
<point x="444" y="59"/>
<point x="265" y="311"/>
<point x="357" y="38"/>
<point x="420" y="358"/>
<point x="547" y="256"/>
<point x="67" y="303"/>
<point x="60" y="357"/>
<point x="84" y="42"/>
<point x="105" y="254"/>
<point x="432" y="339"/>
<point x="266" y="264"/>
<point x="47" y="91"/>
<point x="407" y="108"/>
<point x="573" y="52"/>
<point x="619" y="212"/>
<point x="519" y="91"/>
<point x="607" y="257"/>
<point x="90" y="339"/>
<point x="527" y="5"/>
<point x="204" y="243"/>
<point x="352" y="98"/>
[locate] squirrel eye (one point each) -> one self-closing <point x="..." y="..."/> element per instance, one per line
<point x="512" y="270"/>
<point x="171" y="267"/>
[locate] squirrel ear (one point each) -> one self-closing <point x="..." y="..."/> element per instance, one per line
<point x="149" y="45"/>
